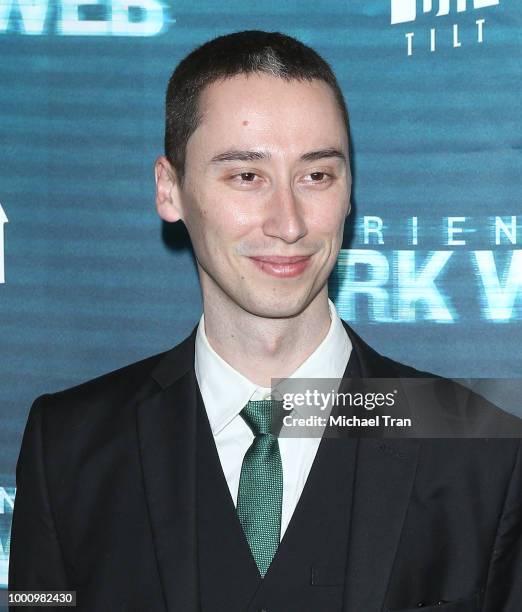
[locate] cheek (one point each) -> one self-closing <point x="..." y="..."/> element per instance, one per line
<point x="330" y="222"/>
<point x="225" y="213"/>
<point x="215" y="222"/>
<point x="327" y="211"/>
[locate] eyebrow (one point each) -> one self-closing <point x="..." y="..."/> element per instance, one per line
<point x="237" y="155"/>
<point x="323" y="154"/>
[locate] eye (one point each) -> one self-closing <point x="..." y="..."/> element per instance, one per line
<point x="318" y="177"/>
<point x="244" y="177"/>
<point x="247" y="177"/>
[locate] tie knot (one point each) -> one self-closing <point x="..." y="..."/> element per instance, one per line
<point x="263" y="416"/>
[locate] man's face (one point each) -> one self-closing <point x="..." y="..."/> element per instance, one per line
<point x="266" y="192"/>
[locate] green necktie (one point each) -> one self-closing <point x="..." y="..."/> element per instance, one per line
<point x="260" y="494"/>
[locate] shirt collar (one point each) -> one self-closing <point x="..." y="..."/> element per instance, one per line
<point x="225" y="391"/>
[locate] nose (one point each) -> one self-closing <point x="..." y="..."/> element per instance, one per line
<point x="285" y="217"/>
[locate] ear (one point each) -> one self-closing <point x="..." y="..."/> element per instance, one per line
<point x="168" y="201"/>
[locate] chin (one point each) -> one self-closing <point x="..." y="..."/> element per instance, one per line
<point x="281" y="307"/>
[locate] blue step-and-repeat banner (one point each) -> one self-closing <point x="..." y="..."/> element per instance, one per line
<point x="90" y="280"/>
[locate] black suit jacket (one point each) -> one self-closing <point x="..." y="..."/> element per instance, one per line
<point x="106" y="502"/>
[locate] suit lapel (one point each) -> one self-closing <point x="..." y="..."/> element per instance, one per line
<point x="166" y="424"/>
<point x="384" y="477"/>
<point x="383" y="483"/>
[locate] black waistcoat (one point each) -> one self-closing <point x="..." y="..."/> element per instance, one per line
<point x="309" y="569"/>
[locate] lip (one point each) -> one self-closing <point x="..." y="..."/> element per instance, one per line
<point x="282" y="267"/>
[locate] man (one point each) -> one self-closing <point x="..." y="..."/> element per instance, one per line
<point x="160" y="487"/>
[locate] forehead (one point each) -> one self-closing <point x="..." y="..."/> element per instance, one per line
<point x="263" y="110"/>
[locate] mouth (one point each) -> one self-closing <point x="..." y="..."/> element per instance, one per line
<point x="282" y="267"/>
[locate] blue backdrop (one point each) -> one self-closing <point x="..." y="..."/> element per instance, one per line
<point x="90" y="279"/>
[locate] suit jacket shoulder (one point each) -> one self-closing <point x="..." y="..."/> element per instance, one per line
<point x="105" y="396"/>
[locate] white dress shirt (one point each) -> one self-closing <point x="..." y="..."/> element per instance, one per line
<point x="225" y="393"/>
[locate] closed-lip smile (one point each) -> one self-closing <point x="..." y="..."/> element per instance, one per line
<point x="280" y="266"/>
<point x="279" y="259"/>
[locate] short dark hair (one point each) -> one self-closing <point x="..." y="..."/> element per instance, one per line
<point x="245" y="52"/>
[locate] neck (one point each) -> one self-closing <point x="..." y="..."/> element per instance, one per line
<point x="265" y="348"/>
